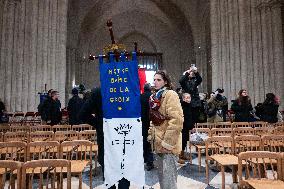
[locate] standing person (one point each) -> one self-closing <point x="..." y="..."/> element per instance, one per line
<point x="187" y="124"/>
<point x="217" y="107"/>
<point x="166" y="137"/>
<point x="52" y="110"/>
<point x="268" y="110"/>
<point x="92" y="113"/>
<point x="242" y="107"/>
<point x="189" y="83"/>
<point x="74" y="106"/>
<point x="43" y="105"/>
<point x="148" y="155"/>
<point x="2" y="110"/>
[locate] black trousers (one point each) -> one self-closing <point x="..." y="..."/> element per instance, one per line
<point x="185" y="137"/>
<point x="122" y="184"/>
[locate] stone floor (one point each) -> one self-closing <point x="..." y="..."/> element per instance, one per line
<point x="188" y="177"/>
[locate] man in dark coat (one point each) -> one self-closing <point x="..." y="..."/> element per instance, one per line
<point x="92" y="113"/>
<point x="148" y="155"/>
<point x="189" y="83"/>
<point x="52" y="109"/>
<point x="74" y="106"/>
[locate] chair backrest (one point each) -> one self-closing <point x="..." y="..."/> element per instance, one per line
<point x="14" y="150"/>
<point x="260" y="131"/>
<point x="16" y="136"/>
<point x="61" y="128"/>
<point x="41" y="136"/>
<point x="4" y="127"/>
<point x="256" y="165"/>
<point x="43" y="150"/>
<point x="76" y="150"/>
<point x="219" y="145"/>
<point x="90" y="135"/>
<point x="273" y="143"/>
<point x="226" y="125"/>
<point x="245" y="143"/>
<point x="52" y="169"/>
<point x="240" y="124"/>
<point x="257" y="124"/>
<point x="204" y="125"/>
<point x="66" y="136"/>
<point x="279" y="130"/>
<point x="1" y="137"/>
<point x="81" y="127"/>
<point x="29" y="118"/>
<point x="17" y="118"/>
<point x="221" y="132"/>
<point x="8" y="169"/>
<point x="41" y="128"/>
<point x="16" y="128"/>
<point x="238" y="131"/>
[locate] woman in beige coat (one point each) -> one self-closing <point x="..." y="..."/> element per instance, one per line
<point x="166" y="137"/>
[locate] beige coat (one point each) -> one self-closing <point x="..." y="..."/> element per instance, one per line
<point x="168" y="135"/>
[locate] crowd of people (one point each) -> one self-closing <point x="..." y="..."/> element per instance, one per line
<point x="178" y="111"/>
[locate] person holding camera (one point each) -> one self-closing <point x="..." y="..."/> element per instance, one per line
<point x="189" y="82"/>
<point x="217" y="107"/>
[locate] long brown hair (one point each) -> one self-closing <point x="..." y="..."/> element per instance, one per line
<point x="243" y="100"/>
<point x="166" y="78"/>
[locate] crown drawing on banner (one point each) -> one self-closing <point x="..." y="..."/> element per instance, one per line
<point x="114" y="48"/>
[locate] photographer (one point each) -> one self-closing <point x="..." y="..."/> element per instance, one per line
<point x="189" y="83"/>
<point x="217" y="107"/>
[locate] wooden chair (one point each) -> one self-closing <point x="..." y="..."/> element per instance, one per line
<point x="225" y="125"/>
<point x="279" y="130"/>
<point x="221" y="150"/>
<point x="14" y="150"/>
<point x="240" y="124"/>
<point x="43" y="150"/>
<point x="61" y="128"/>
<point x="273" y="143"/>
<point x="257" y="124"/>
<point x="17" y="128"/>
<point x="199" y="147"/>
<point x="29" y="118"/>
<point x="41" y="128"/>
<point x="41" y="136"/>
<point x="256" y="173"/>
<point x="8" y="170"/>
<point x="1" y="137"/>
<point x="80" y="154"/>
<point x="245" y="143"/>
<point x="4" y="127"/>
<point x="53" y="174"/>
<point x="260" y="131"/>
<point x="16" y="136"/>
<point x="221" y="132"/>
<point x="91" y="135"/>
<point x="243" y="131"/>
<point x="205" y="125"/>
<point x="17" y="118"/>
<point x="81" y="127"/>
<point x="66" y="136"/>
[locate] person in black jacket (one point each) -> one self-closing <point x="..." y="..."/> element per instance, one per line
<point x="187" y="124"/>
<point x="144" y="99"/>
<point x="74" y="106"/>
<point x="52" y="109"/>
<point x="92" y="113"/>
<point x="189" y="83"/>
<point x="268" y="110"/>
<point x="2" y="109"/>
<point x="242" y="107"/>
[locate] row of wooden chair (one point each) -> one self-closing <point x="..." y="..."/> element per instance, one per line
<point x="224" y="150"/>
<point x="79" y="152"/>
<point x="49" y="136"/>
<point x="32" y="128"/>
<point x="51" y="174"/>
<point x="237" y="124"/>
